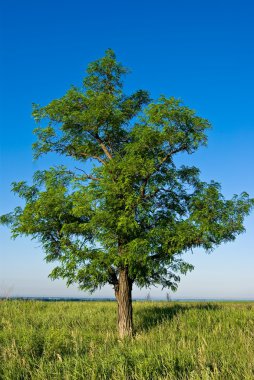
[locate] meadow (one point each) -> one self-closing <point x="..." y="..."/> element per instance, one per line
<point x="173" y="340"/>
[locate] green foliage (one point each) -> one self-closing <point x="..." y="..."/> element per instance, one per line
<point x="136" y="208"/>
<point x="70" y="340"/>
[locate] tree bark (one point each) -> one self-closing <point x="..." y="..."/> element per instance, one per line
<point x="123" y="294"/>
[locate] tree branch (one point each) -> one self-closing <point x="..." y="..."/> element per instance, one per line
<point x="94" y="157"/>
<point x="88" y="176"/>
<point x="113" y="280"/>
<point x="72" y="152"/>
<point x="174" y="151"/>
<point x="102" y="145"/>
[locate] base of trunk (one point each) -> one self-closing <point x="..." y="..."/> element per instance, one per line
<point x="124" y="300"/>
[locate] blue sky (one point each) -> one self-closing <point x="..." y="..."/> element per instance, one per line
<point x="201" y="52"/>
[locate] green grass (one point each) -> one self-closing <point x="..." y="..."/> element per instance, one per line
<point x="72" y="340"/>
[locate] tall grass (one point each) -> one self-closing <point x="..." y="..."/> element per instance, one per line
<point x="73" y="340"/>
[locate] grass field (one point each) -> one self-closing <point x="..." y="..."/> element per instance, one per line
<point x="76" y="340"/>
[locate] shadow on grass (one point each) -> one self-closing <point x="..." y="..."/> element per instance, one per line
<point x="150" y="316"/>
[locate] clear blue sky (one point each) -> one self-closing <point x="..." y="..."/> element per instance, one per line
<point x="199" y="51"/>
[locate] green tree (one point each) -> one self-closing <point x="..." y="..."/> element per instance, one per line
<point x="129" y="219"/>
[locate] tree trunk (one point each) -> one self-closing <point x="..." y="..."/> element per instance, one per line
<point x="124" y="300"/>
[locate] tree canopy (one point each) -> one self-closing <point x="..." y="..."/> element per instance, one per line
<point x="133" y="206"/>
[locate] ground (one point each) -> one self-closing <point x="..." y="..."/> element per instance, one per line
<point x="173" y="340"/>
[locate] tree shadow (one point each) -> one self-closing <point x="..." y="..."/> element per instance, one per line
<point x="152" y="315"/>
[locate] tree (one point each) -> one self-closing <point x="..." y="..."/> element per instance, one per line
<point x="129" y="219"/>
